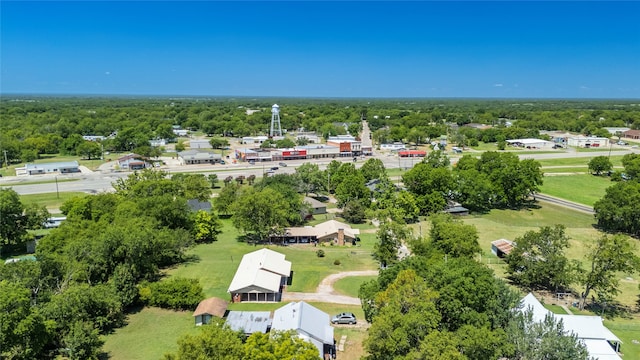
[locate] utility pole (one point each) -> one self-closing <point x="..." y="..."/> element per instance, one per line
<point x="6" y="162"/>
<point x="57" y="191"/>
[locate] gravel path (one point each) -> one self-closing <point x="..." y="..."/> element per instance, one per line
<point x="325" y="291"/>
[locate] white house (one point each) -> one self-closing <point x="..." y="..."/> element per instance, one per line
<point x="261" y="276"/>
<point x="531" y="143"/>
<point x="310" y="323"/>
<point x="599" y="340"/>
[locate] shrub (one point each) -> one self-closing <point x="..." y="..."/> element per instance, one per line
<point x="336" y="262"/>
<point x="175" y="293"/>
<point x="320" y="253"/>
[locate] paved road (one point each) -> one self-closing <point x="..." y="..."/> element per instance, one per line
<point x="565" y="203"/>
<point x="101" y="181"/>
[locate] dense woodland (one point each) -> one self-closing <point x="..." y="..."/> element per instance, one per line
<point x="106" y="259"/>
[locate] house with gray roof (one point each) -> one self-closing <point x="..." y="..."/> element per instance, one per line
<point x="311" y="324"/>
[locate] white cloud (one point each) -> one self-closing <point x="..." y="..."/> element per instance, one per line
<point x="497" y="85"/>
<point x="107" y="72"/>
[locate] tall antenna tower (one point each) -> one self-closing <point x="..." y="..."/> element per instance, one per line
<point x="276" y="129"/>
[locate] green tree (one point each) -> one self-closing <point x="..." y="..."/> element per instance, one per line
<point x="353" y="212"/>
<point x="599" y="165"/>
<point x="180" y="146"/>
<point x="35" y="216"/>
<point x="539" y="261"/>
<point x="546" y="339"/>
<point x="262" y="213"/>
<point x="214" y="342"/>
<point x="618" y="210"/>
<point x="352" y="188"/>
<point x="390" y="236"/>
<point x="82" y="341"/>
<point x="89" y="150"/>
<point x="24" y="332"/>
<point x="373" y="169"/>
<point x="453" y="237"/>
<point x="206" y="227"/>
<point x="226" y="198"/>
<point x="285" y="345"/>
<point x="609" y="256"/>
<point x="311" y="178"/>
<point x="12" y="224"/>
<point x="407" y="314"/>
<point x="213" y="180"/>
<point x="219" y="143"/>
<point x="285" y="143"/>
<point x="28" y="155"/>
<point x="631" y="163"/>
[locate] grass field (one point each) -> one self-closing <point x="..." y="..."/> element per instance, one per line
<point x="592" y="188"/>
<point x="152" y="332"/>
<point x="350" y="286"/>
<point x="616" y="160"/>
<point x="39" y="182"/>
<point x="50" y="200"/>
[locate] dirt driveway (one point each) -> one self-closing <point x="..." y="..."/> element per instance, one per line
<point x="325" y="291"/>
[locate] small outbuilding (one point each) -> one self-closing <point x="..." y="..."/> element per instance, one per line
<point x="65" y="167"/>
<point x="209" y="308"/>
<point x="502" y="247"/>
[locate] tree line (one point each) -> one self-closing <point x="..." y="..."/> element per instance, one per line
<point x="104" y="259"/>
<point x="35" y="126"/>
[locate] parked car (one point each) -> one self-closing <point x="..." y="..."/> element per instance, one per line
<point x="283" y="164"/>
<point x="251" y="162"/>
<point x="344" y="318"/>
<point x="274" y="168"/>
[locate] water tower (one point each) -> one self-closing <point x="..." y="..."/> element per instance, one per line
<point x="276" y="129"/>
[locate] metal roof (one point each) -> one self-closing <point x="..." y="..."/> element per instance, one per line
<point x="249" y="321"/>
<point x="309" y="322"/>
<point x="261" y="269"/>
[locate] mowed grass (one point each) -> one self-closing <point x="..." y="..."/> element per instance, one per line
<point x="616" y="160"/>
<point x="581" y="188"/>
<point x="351" y="285"/>
<point x="149" y="334"/>
<point x="628" y="330"/>
<point x="50" y="200"/>
<point x="215" y="264"/>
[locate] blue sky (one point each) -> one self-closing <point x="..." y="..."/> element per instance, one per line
<point x="322" y="49"/>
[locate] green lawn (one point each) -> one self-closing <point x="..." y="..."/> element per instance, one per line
<point x="627" y="330"/>
<point x="581" y="188"/>
<point x="216" y="263"/>
<point x="616" y="160"/>
<point x="149" y="334"/>
<point x="567" y="169"/>
<point x="39" y="182"/>
<point x="50" y="200"/>
<point x="351" y="285"/>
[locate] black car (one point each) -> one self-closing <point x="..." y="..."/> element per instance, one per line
<point x="274" y="168"/>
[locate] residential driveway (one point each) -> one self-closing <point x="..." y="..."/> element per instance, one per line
<point x="325" y="291"/>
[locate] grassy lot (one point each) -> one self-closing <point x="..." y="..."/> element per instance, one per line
<point x="350" y="286"/>
<point x="38" y="182"/>
<point x="616" y="160"/>
<point x="567" y="169"/>
<point x="627" y="330"/>
<point x="152" y="332"/>
<point x="50" y="200"/>
<point x="149" y="334"/>
<point x="215" y="264"/>
<point x="591" y="188"/>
